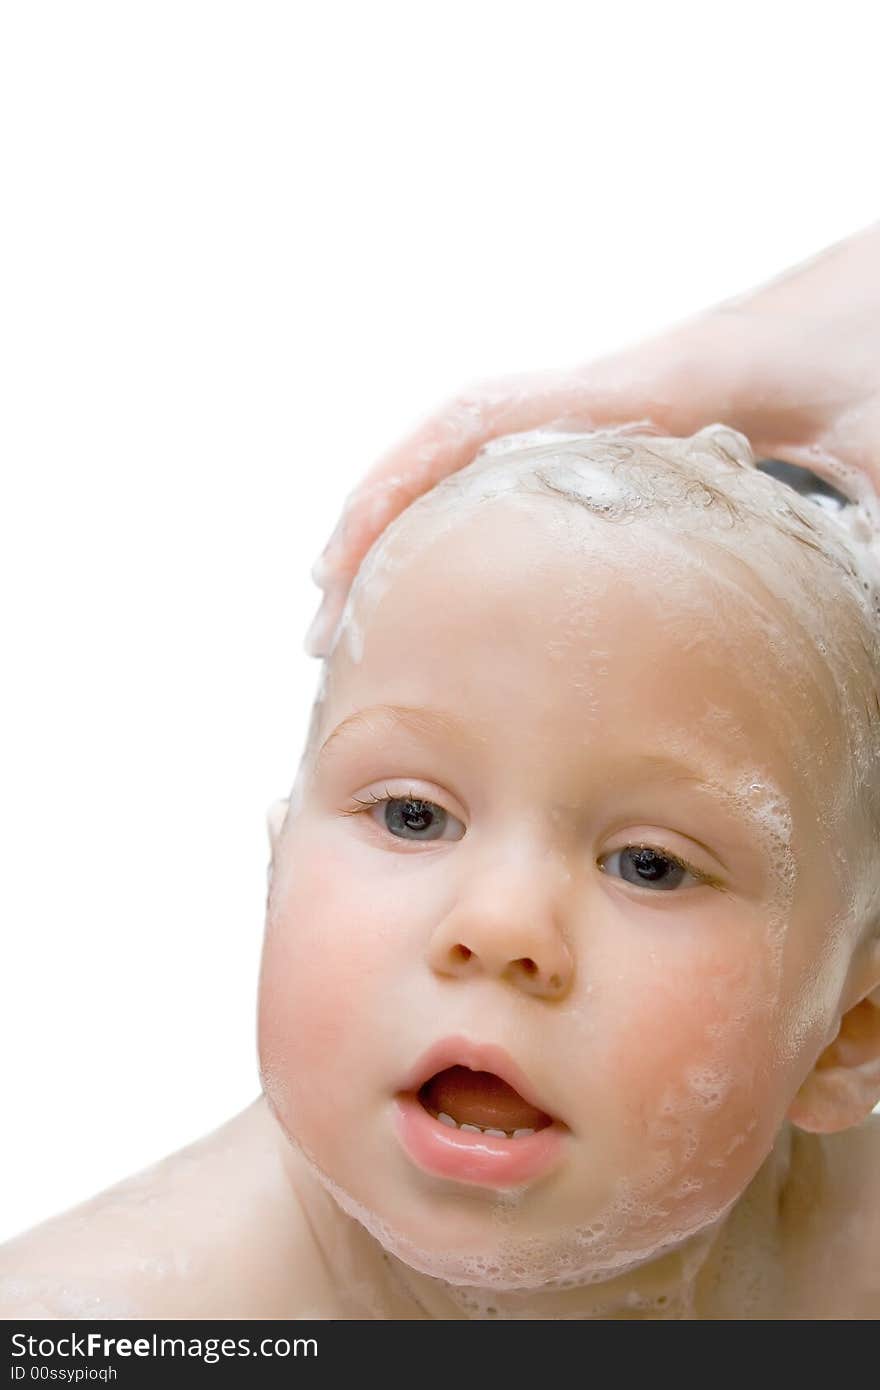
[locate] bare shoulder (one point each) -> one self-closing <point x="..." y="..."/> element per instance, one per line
<point x="214" y="1231"/>
<point x="853" y="1160"/>
<point x="838" y="1222"/>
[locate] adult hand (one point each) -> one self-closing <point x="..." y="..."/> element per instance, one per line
<point x="794" y="365"/>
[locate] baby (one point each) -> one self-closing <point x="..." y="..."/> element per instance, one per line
<point x="570" y="991"/>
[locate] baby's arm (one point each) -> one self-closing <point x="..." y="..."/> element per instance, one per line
<point x="213" y="1231"/>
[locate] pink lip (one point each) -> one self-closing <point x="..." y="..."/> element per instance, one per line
<point x="459" y="1052"/>
<point x="481" y="1159"/>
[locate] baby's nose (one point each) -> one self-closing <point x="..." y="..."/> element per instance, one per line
<point x="521" y="942"/>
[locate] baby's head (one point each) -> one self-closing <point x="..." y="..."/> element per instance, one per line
<point x="591" y="778"/>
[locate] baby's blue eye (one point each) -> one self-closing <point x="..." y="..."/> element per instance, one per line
<point x="418" y="820"/>
<point x="414" y="818"/>
<point x="423" y="819"/>
<point x="649" y="868"/>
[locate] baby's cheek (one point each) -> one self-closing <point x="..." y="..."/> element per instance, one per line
<point x="323" y="984"/>
<point x="694" y="1054"/>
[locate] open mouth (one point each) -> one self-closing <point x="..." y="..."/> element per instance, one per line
<point x="467" y="1113"/>
<point x="480" y="1102"/>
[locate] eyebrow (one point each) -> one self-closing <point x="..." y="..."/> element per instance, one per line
<point x="419" y="720"/>
<point x="409" y="717"/>
<point x="426" y="722"/>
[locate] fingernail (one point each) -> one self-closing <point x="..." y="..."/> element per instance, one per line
<point x="330" y="557"/>
<point x="315" y="643"/>
<point x="322" y="569"/>
<point x="337" y="535"/>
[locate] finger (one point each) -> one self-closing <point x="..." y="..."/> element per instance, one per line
<point x="318" y="639"/>
<point x="447" y="441"/>
<point x="678" y="382"/>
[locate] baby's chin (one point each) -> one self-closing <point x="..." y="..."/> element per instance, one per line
<point x="584" y="1255"/>
<point x="498" y="1240"/>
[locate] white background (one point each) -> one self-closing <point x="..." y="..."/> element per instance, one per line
<point x="245" y="247"/>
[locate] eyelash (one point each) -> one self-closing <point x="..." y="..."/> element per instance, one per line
<point x="699" y="875"/>
<point x="377" y="800"/>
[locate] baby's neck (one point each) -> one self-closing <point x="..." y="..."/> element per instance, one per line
<point x="732" y="1269"/>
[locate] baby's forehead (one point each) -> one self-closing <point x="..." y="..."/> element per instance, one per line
<point x="524" y="524"/>
<point x="549" y="529"/>
<point x="528" y="586"/>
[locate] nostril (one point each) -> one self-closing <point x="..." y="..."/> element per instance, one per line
<point x="528" y="965"/>
<point x="463" y="952"/>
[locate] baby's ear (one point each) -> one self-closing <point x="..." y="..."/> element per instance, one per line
<point x="275" y="820"/>
<point x="844" y="1085"/>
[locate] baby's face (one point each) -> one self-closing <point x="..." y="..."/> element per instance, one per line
<point x="598" y="853"/>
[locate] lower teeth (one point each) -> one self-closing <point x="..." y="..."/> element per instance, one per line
<point x="478" y="1129"/>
